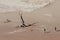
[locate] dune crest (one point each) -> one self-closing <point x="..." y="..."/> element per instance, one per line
<point x="24" y="5"/>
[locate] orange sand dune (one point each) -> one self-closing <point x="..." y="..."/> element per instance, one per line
<point x="47" y="17"/>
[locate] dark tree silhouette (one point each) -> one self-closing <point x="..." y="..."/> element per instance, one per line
<point x="56" y="29"/>
<point x="46" y="31"/>
<point x="23" y="22"/>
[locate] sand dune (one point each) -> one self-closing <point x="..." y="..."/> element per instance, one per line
<point x="46" y="19"/>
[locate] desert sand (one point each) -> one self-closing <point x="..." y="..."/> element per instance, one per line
<point x="47" y="17"/>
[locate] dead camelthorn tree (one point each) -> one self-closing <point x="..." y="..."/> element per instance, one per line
<point x="23" y="22"/>
<point x="56" y="29"/>
<point x="46" y="31"/>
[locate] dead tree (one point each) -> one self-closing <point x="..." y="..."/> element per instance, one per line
<point x="23" y="22"/>
<point x="56" y="29"/>
<point x="46" y="31"/>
